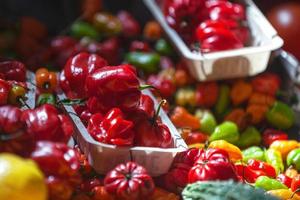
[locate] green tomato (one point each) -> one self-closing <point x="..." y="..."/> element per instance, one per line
<point x="226" y="131"/>
<point x="293" y="158"/>
<point x="253" y="152"/>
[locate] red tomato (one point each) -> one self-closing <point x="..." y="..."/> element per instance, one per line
<point x="207" y="94"/>
<point x="285" y="19"/>
<point x="266" y="83"/>
<point x="196" y="137"/>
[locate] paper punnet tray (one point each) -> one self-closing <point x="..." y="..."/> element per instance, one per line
<point x="247" y="61"/>
<point x="104" y="157"/>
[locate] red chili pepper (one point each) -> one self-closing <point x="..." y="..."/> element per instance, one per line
<point x="266" y="168"/>
<point x="151" y="132"/>
<point x="212" y="164"/>
<point x="246" y="174"/>
<point x="271" y="135"/>
<point x="112" y="128"/>
<point x="130" y="27"/>
<point x="4" y="91"/>
<point x="266" y="83"/>
<point x="13" y="70"/>
<point x="129" y="181"/>
<point x="137" y="45"/>
<point x="60" y="164"/>
<point x="114" y="86"/>
<point x="285" y="180"/>
<point x="177" y="177"/>
<point x="165" y="86"/>
<point x="225" y="10"/>
<point x="207" y="94"/>
<point x="45" y="123"/>
<point x="78" y="68"/>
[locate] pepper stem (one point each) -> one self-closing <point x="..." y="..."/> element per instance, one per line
<point x="144" y="87"/>
<point x="71" y="102"/>
<point x="23" y="103"/>
<point x="161" y="103"/>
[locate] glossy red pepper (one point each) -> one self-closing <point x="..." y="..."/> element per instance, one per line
<point x="285" y="180"/>
<point x="129" y="181"/>
<point x="4" y="91"/>
<point x="130" y="27"/>
<point x="225" y="10"/>
<point x="196" y="137"/>
<point x="114" y="86"/>
<point x="296" y="183"/>
<point x="112" y="128"/>
<point x="271" y="135"/>
<point x="212" y="164"/>
<point x="266" y="83"/>
<point x="45" y="123"/>
<point x="78" y="68"/>
<point x="146" y="106"/>
<point x="246" y="174"/>
<point x="207" y="94"/>
<point x="266" y="168"/>
<point x="165" y="87"/>
<point x="177" y="177"/>
<point x="13" y="70"/>
<point x="60" y="164"/>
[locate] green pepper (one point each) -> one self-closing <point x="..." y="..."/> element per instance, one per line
<point x="80" y="29"/>
<point x="226" y="131"/>
<point x="293" y="158"/>
<point x="207" y="121"/>
<point x="46" y="98"/>
<point x="149" y="62"/>
<point x="274" y="158"/>
<point x="223" y="100"/>
<point x="163" y="47"/>
<point x="249" y="137"/>
<point x="267" y="183"/>
<point x="253" y="152"/>
<point x="280" y="115"/>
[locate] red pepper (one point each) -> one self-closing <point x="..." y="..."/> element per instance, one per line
<point x="13" y="70"/>
<point x="165" y="87"/>
<point x="130" y="27"/>
<point x="45" y="123"/>
<point x="112" y="128"/>
<point x="151" y="132"/>
<point x="146" y="106"/>
<point x="129" y="181"/>
<point x="212" y="164"/>
<point x="60" y="164"/>
<point x="114" y="86"/>
<point x="10" y="119"/>
<point x="225" y="10"/>
<point x="285" y="180"/>
<point x="271" y="135"/>
<point x="266" y="168"/>
<point x="4" y="91"/>
<point x="78" y="68"/>
<point x="177" y="177"/>
<point x="296" y="183"/>
<point x="266" y="83"/>
<point x="207" y="94"/>
<point x="246" y="174"/>
<point x="137" y="45"/>
<point x="196" y="137"/>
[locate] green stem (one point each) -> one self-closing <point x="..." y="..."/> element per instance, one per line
<point x="161" y="103"/>
<point x="144" y="87"/>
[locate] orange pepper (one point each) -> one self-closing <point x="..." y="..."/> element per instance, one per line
<point x="183" y="119"/>
<point x="46" y="81"/>
<point x="160" y="194"/>
<point x="235" y="154"/>
<point x="257" y="112"/>
<point x="284" y="146"/>
<point x="261" y="99"/>
<point x="239" y="117"/>
<point x="240" y="92"/>
<point x="152" y="30"/>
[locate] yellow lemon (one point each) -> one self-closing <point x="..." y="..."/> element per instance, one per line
<point x="20" y="179"/>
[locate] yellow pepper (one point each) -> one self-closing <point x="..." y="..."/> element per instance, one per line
<point x="197" y="145"/>
<point x="291" y="172"/>
<point x="284" y="194"/>
<point x="235" y="154"/>
<point x="284" y="146"/>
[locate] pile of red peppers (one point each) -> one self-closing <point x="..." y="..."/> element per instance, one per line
<point x="216" y="25"/>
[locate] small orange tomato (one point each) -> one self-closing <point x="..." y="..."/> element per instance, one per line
<point x="46" y="81"/>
